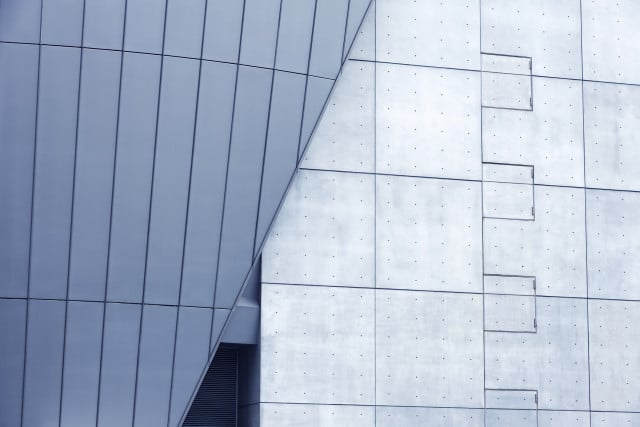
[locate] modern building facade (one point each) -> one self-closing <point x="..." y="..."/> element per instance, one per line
<point x="457" y="245"/>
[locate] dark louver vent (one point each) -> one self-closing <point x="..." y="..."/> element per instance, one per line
<point x="216" y="404"/>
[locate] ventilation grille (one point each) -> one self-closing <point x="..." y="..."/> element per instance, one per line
<point x="216" y="404"/>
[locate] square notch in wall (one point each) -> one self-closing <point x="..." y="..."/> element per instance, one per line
<point x="508" y="201"/>
<point x="507" y="82"/>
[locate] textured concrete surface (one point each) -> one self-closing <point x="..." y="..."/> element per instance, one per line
<point x="502" y="267"/>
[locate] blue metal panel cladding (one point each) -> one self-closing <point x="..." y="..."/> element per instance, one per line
<point x="145" y="147"/>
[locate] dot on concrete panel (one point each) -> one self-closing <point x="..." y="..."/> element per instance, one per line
<point x="324" y="233"/>
<point x="294" y="367"/>
<point x="428" y="122"/>
<point x="364" y="43"/>
<point x="611" y="40"/>
<point x="429" y="349"/>
<point x="428" y="234"/>
<point x="563" y="419"/>
<point x="614" y="419"/>
<point x="547" y="30"/>
<point x="345" y="136"/>
<point x="549" y="137"/>
<point x="429" y="32"/>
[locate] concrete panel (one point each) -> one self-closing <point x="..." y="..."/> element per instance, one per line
<point x="551" y="248"/>
<point x="506" y="64"/>
<point x="614" y="244"/>
<point x="280" y="415"/>
<point x="510" y="313"/>
<point x="614" y="348"/>
<point x="547" y="30"/>
<point x="610" y="40"/>
<point x="563" y="419"/>
<point x="518" y="285"/>
<point x="502" y="172"/>
<point x="429" y="32"/>
<point x="553" y="361"/>
<point x="549" y="137"/>
<point x="508" y="201"/>
<point x="511" y="399"/>
<point x="510" y="91"/>
<point x="428" y="234"/>
<point x="613" y="419"/>
<point x="364" y="44"/>
<point x="611" y="120"/>
<point x="294" y="368"/>
<point x="510" y="418"/>
<point x="428" y="121"/>
<point x="324" y="233"/>
<point x="429" y="349"/>
<point x="389" y="416"/>
<point x="345" y="136"/>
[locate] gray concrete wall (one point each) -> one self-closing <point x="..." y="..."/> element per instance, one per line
<point x="460" y="245"/>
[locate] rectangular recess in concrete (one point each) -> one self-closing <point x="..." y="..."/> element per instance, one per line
<point x="504" y="172"/>
<point x="508" y="64"/>
<point x="509" y="91"/>
<point x="510" y="313"/>
<point x="511" y="398"/>
<point x="510" y="418"/>
<point x="508" y="201"/>
<point x="504" y="284"/>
